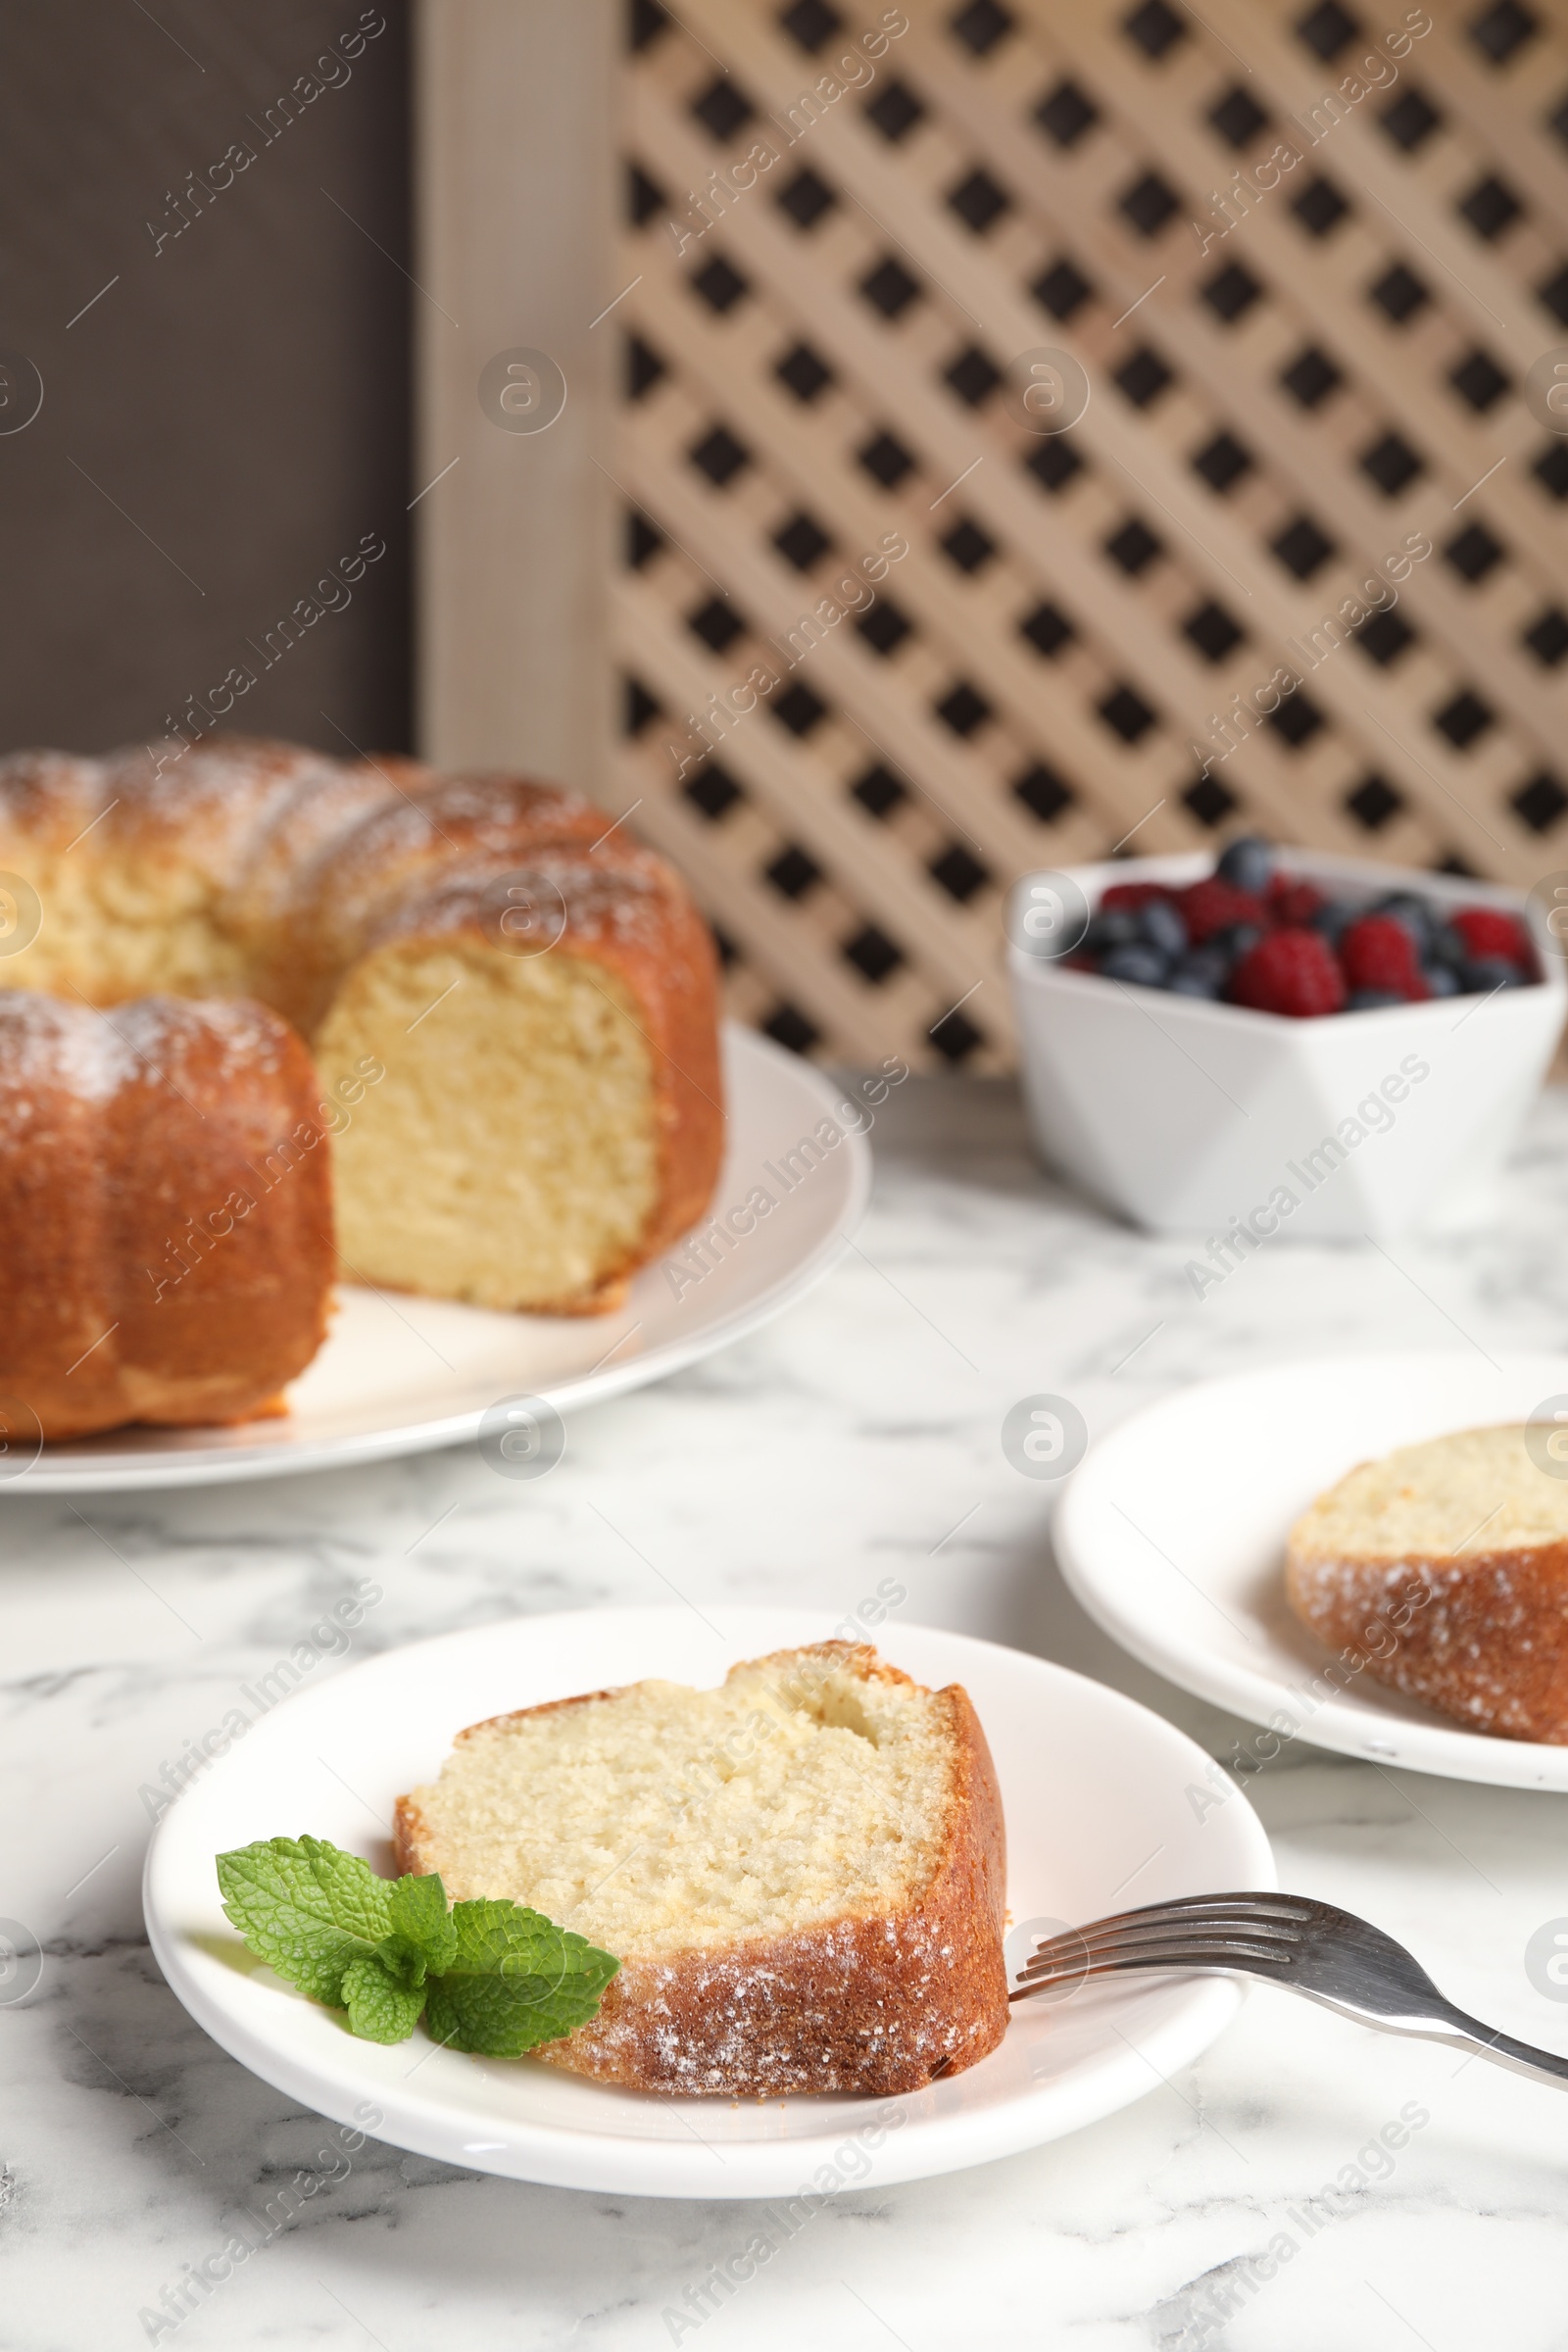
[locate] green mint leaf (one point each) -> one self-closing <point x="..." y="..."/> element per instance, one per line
<point x="418" y="1915"/>
<point x="306" y="1908"/>
<point x="381" y="2009"/>
<point x="516" y="1980"/>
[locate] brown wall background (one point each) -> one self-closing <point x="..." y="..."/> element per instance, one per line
<point x="230" y="415"/>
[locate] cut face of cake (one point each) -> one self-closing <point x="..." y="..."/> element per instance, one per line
<point x="800" y="1872"/>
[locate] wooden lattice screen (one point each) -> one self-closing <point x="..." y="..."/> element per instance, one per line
<point x="1271" y="416"/>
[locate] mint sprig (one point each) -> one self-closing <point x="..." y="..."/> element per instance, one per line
<point x="489" y="1977"/>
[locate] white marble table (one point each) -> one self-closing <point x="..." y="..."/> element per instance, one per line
<point x="858" y="1434"/>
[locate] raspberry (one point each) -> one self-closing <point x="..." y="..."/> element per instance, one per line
<point x="1293" y="903"/>
<point x="1378" y="952"/>
<point x="1214" y="906"/>
<point x="1489" y="931"/>
<point x="1290" y="971"/>
<point x="1126" y="897"/>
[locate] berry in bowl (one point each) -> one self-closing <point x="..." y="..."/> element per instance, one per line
<point x="1280" y="1041"/>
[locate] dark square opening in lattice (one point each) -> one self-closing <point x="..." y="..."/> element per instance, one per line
<point x="1232" y="293"/>
<point x="1326" y="29"/>
<point x="638" y="706"/>
<point x="1209" y="800"/>
<point x="787" y="1026"/>
<point x="1400" y="293"/>
<point x="1046" y="795"/>
<point x="1558" y="120"/>
<point x="804" y="372"/>
<point x="981" y="25"/>
<point x="1302" y="548"/>
<point x="972" y="376"/>
<point x="643" y="539"/>
<point x="960" y="873"/>
<point x="872" y="953"/>
<point x="1553" y="293"/>
<point x="806" y="198"/>
<point x="1391" y="464"/>
<point x="801" y="541"/>
<point x="1410" y="120"/>
<point x="1541" y="802"/>
<point x="1238" y="117"/>
<point x="713" y="791"/>
<point x="1222" y="462"/>
<point x="1479" y="379"/>
<point x="1154" y="27"/>
<point x="895" y="111"/>
<point x="1310" y="376"/>
<point x="717" y="623"/>
<point x="1144" y="376"/>
<point x="811" y="23"/>
<point x="792" y="872"/>
<point x="1465" y="719"/>
<point x="1548" y="636"/>
<point x="646" y="20"/>
<point x="978" y="201"/>
<point x="799" y="709"/>
<point x="1046" y="628"/>
<point x="720" y="284"/>
<point x="1319" y="207"/>
<point x="1133" y="547"/>
<point x="1499" y="32"/>
<point x="1150" y="203"/>
<point x="1491" y="208"/>
<point x="963" y="708"/>
<point x="1297" y="719"/>
<point x="886" y="460"/>
<point x="879" y="791"/>
<point x="1127" y="713"/>
<point x="884" y="627"/>
<point x="955" y="1037"/>
<point x="1373" y="802"/>
<point x="719" y="456"/>
<point x="644" y="196"/>
<point x="1064" y="114"/>
<point x="1062" y="289"/>
<point x="1384" y="637"/>
<point x="1212" y="630"/>
<point x="1474" y="553"/>
<point x="722" y="107"/>
<point x="1550" y="469"/>
<point x="967" y="545"/>
<point x="1456" y="865"/>
<point x="644" y="368"/>
<point x="890" y="288"/>
<point x="1054" y="463"/>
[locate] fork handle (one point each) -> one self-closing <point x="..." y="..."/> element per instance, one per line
<point x="1443" y="2021"/>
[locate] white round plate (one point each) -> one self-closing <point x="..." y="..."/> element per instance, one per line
<point x="1099" y="1818"/>
<point x="1172" y="1535"/>
<point x="399" y="1374"/>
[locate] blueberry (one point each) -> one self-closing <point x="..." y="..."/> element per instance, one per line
<point x="1234" y="942"/>
<point x="1489" y="973"/>
<point x="1441" y="979"/>
<point x="1246" y="863"/>
<point x="1416" y="915"/>
<point x="1199" y="974"/>
<point x="1160" y="926"/>
<point x="1333" y="918"/>
<point x="1118" y="929"/>
<point x="1144" y="966"/>
<point x="1445" y="946"/>
<point x="1373" y="999"/>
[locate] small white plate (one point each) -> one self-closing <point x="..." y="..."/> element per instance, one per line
<point x="399" y="1374"/>
<point x="1098" y="1818"/>
<point x="1172" y="1535"/>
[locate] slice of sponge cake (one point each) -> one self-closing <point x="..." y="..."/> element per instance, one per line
<point x="801" y="1872"/>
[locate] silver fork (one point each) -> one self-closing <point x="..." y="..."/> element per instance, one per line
<point x="1287" y="1939"/>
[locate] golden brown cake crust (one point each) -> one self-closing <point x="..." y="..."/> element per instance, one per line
<point x="872" y="2005"/>
<point x="166" y="1217"/>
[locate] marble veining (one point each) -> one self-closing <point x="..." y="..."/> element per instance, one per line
<point x="1254" y="2202"/>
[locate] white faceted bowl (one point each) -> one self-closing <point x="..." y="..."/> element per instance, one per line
<point x="1184" y="1115"/>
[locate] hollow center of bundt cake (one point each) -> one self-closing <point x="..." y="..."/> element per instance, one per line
<point x="660" y="1819"/>
<point x="509" y="1155"/>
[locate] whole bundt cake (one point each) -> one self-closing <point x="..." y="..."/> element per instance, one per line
<point x="534" y="988"/>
